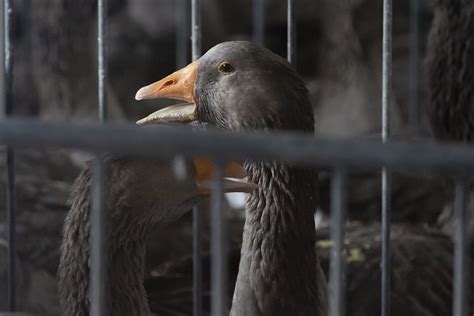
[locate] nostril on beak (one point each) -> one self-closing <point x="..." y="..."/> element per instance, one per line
<point x="168" y="83"/>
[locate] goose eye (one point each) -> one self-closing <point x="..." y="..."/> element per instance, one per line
<point x="225" y="67"/>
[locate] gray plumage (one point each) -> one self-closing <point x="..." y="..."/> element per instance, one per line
<point x="450" y="64"/>
<point x="279" y="273"/>
<point x="421" y="273"/>
<point x="140" y="194"/>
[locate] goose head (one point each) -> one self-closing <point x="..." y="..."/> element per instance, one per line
<point x="235" y="85"/>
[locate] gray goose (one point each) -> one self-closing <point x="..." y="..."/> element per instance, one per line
<point x="245" y="103"/>
<point x="140" y="194"/>
<point x="450" y="65"/>
<point x="242" y="86"/>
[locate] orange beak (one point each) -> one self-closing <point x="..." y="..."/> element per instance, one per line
<point x="179" y="85"/>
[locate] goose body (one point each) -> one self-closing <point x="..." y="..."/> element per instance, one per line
<point x="140" y="195"/>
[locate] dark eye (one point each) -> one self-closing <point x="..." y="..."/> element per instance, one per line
<point x="225" y="67"/>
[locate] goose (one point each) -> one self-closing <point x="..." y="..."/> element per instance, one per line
<point x="214" y="99"/>
<point x="140" y="194"/>
<point x="450" y="72"/>
<point x="242" y="86"/>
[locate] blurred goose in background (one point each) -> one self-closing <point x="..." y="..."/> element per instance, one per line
<point x="450" y="71"/>
<point x="450" y="66"/>
<point x="240" y="86"/>
<point x="140" y="194"/>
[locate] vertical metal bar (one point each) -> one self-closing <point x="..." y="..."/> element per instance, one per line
<point x="97" y="240"/>
<point x="196" y="28"/>
<point x="461" y="251"/>
<point x="218" y="247"/>
<point x="97" y="216"/>
<point x="101" y="56"/>
<point x="338" y="218"/>
<point x="197" y="216"/>
<point x="10" y="155"/>
<point x="197" y="262"/>
<point x="291" y="30"/>
<point x="414" y="65"/>
<point x="258" y="22"/>
<point x="182" y="32"/>
<point x="386" y="212"/>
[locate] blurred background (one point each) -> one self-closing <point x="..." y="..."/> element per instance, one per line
<point x="338" y="55"/>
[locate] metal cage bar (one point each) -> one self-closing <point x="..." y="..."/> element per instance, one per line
<point x="182" y="32"/>
<point x="10" y="155"/>
<point x="291" y="32"/>
<point x="337" y="273"/>
<point x="98" y="259"/>
<point x="414" y="65"/>
<point x="386" y="102"/>
<point x="258" y="21"/>
<point x="167" y="141"/>
<point x="196" y="28"/>
<point x="461" y="250"/>
<point x="219" y="242"/>
<point x="197" y="215"/>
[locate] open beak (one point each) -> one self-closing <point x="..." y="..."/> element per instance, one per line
<point x="179" y="85"/>
<point x="233" y="180"/>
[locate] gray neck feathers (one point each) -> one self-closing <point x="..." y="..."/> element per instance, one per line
<point x="125" y="244"/>
<point x="279" y="272"/>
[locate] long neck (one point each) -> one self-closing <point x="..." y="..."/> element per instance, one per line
<point x="279" y="272"/>
<point x="125" y="240"/>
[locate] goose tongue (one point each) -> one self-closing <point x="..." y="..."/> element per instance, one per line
<point x="179" y="113"/>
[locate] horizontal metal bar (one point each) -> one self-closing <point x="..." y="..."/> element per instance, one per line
<point x="167" y="141"/>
